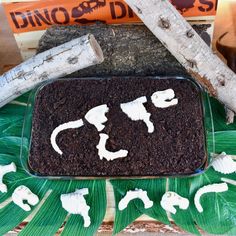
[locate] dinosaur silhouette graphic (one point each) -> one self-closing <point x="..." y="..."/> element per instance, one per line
<point x="183" y="5"/>
<point x="87" y="7"/>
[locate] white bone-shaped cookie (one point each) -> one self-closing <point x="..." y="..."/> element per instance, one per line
<point x="171" y="199"/>
<point x="65" y="126"/>
<point x="23" y="193"/>
<point x="135" y="194"/>
<point x="4" y="170"/>
<point x="212" y="188"/>
<point x="75" y="203"/>
<point x="96" y="116"/>
<point x="164" y="99"/>
<point x="224" y="164"/>
<point x="135" y="110"/>
<point x="104" y="153"/>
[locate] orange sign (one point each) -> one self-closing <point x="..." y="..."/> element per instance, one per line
<point x="39" y="15"/>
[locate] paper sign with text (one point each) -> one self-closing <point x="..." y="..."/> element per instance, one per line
<point x="39" y="15"/>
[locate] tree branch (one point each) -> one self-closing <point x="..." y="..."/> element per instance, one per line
<point x="54" y="63"/>
<point x="189" y="49"/>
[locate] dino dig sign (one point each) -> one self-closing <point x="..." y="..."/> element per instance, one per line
<point x="39" y="15"/>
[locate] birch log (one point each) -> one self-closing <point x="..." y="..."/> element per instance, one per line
<point x="189" y="49"/>
<point x="54" y="63"/>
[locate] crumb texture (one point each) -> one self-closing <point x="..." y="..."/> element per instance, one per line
<point x="177" y="145"/>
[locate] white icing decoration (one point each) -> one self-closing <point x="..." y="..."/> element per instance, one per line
<point x="65" y="126"/>
<point x="164" y="99"/>
<point x="22" y="193"/>
<point x="229" y="181"/>
<point x="4" y="170"/>
<point x="96" y="116"/>
<point x="212" y="188"/>
<point x="171" y="199"/>
<point x="103" y="153"/>
<point x="224" y="164"/>
<point x="135" y="110"/>
<point x="75" y="203"/>
<point x="135" y="194"/>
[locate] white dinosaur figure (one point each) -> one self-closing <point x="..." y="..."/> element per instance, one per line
<point x="212" y="188"/>
<point x="171" y="199"/>
<point x="65" y="126"/>
<point x="4" y="170"/>
<point x="135" y="110"/>
<point x="164" y="99"/>
<point x="75" y="203"/>
<point x="135" y="194"/>
<point x="103" y="153"/>
<point x="23" y="193"/>
<point x="96" y="116"/>
<point x="224" y="164"/>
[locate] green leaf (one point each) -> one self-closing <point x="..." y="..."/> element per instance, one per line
<point x="12" y="215"/>
<point x="11" y="145"/>
<point x="219" y="208"/>
<point x="219" y="116"/>
<point x="50" y="216"/>
<point x="219" y="215"/>
<point x="232" y="232"/>
<point x="155" y="189"/>
<point x="224" y="141"/>
<point x="23" y="98"/>
<point x="14" y="129"/>
<point x="7" y="120"/>
<point x="183" y="218"/>
<point x="97" y="202"/>
<point x="128" y="215"/>
<point x="6" y="159"/>
<point x="13" y="110"/>
<point x="208" y="119"/>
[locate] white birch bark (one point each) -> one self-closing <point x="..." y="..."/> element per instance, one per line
<point x="190" y="50"/>
<point x="54" y="63"/>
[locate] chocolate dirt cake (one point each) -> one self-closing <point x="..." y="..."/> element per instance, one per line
<point x="117" y="127"/>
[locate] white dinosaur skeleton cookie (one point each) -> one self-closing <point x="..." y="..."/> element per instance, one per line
<point x="23" y="193"/>
<point x="135" y="194"/>
<point x="103" y="153"/>
<point x="212" y="188"/>
<point x="224" y="164"/>
<point x="75" y="203"/>
<point x="135" y="110"/>
<point x="4" y="170"/>
<point x="164" y="99"/>
<point x="65" y="126"/>
<point x="171" y="199"/>
<point x="96" y="116"/>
